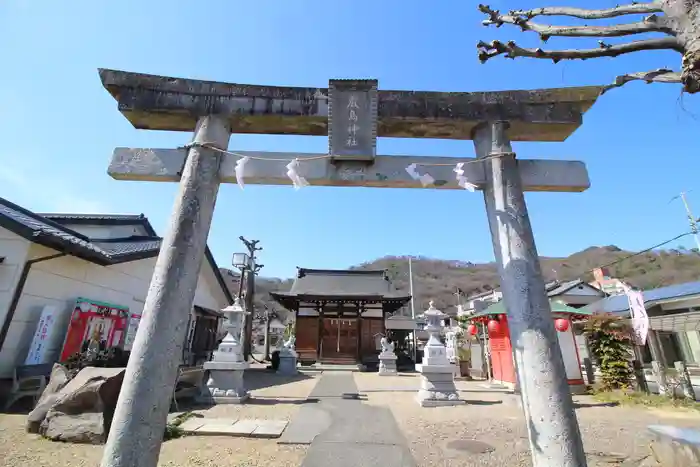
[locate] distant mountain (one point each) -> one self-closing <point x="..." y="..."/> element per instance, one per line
<point x="438" y="280"/>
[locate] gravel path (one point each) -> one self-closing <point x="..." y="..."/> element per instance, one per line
<point x="611" y="434"/>
<point x="17" y="449"/>
<point x="485" y="432"/>
<point x="274" y="397"/>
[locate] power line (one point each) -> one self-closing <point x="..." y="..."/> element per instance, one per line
<point x="625" y="258"/>
<point x="647" y="250"/>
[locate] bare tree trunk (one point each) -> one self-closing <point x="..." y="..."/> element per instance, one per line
<point x="684" y="19"/>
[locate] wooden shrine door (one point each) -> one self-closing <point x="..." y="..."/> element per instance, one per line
<point x="339" y="338"/>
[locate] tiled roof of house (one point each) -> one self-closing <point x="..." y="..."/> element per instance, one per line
<point x="48" y="230"/>
<point x="618" y="304"/>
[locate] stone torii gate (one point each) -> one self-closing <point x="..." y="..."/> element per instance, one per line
<point x="352" y="113"/>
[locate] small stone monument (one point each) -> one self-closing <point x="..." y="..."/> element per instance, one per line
<point x="387" y="358"/>
<point x="225" y="384"/>
<point x="288" y="358"/>
<point x="452" y="349"/>
<point x="437" y="374"/>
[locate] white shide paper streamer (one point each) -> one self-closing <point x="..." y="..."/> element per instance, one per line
<point x="240" y="170"/>
<point x="461" y="179"/>
<point x="292" y="172"/>
<point x="424" y="179"/>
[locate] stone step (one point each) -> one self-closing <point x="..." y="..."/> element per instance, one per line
<point x="329" y="367"/>
<point x="247" y="428"/>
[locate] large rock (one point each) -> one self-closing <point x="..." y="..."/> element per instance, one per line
<point x="58" y="380"/>
<point x="83" y="409"/>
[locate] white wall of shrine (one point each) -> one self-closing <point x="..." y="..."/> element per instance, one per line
<point x="59" y="282"/>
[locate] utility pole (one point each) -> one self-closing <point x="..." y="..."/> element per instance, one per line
<point x="691" y="219"/>
<point x="413" y="310"/>
<point x="458" y="297"/>
<point x="253" y="268"/>
<point x="267" y="332"/>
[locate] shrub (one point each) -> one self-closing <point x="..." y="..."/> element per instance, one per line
<point x="610" y="342"/>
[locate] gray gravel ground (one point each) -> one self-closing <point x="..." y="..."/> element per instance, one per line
<point x="613" y="436"/>
<point x="485" y="432"/>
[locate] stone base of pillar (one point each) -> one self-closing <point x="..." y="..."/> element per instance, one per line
<point x="288" y="364"/>
<point x="437" y="387"/>
<point x="387" y="364"/>
<point x="512" y="398"/>
<point x="225" y="384"/>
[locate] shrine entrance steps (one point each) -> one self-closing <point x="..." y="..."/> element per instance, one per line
<point x="327" y="366"/>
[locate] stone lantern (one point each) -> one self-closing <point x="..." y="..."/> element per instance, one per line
<point x="225" y="383"/>
<point x="234" y="322"/>
<point x="437" y="374"/>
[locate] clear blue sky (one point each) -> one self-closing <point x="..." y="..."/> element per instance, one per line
<point x="58" y="126"/>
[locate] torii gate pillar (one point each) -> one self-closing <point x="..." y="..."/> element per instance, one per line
<point x="553" y="429"/>
<point x="146" y="396"/>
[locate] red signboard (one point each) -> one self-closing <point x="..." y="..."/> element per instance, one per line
<point x="92" y="318"/>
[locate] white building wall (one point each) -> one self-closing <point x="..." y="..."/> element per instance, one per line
<point x="15" y="250"/>
<point x="60" y="281"/>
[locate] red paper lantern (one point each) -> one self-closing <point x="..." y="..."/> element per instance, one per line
<point x="561" y="324"/>
<point x="472" y="329"/>
<point x="494" y="326"/>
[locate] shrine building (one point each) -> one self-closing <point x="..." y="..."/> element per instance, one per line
<point x="340" y="314"/>
<point x="495" y="319"/>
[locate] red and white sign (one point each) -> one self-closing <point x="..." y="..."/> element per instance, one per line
<point x="92" y="318"/>
<point x="640" y="318"/>
<point x="38" y="351"/>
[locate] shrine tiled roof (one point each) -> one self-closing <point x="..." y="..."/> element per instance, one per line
<point x="49" y="230"/>
<point x="557" y="306"/>
<point x="342" y="286"/>
<point x="343" y="283"/>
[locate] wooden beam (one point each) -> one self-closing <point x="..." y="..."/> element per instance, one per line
<point x="174" y="104"/>
<point x="165" y="165"/>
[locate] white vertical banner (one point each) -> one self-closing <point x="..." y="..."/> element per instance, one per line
<point x="640" y="318"/>
<point x="133" y="327"/>
<point x="38" y="351"/>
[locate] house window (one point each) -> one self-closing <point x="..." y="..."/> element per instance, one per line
<point x="670" y="346"/>
<point x="202" y="339"/>
<point x="689" y="343"/>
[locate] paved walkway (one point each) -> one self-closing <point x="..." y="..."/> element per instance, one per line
<point x="357" y="434"/>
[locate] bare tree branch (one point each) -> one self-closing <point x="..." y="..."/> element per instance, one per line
<point x="511" y="50"/>
<point x="652" y="23"/>
<point x="662" y="75"/>
<point x="620" y="10"/>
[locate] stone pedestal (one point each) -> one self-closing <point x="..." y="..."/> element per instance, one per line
<point x="288" y="363"/>
<point x="387" y="364"/>
<point x="437" y="373"/>
<point x="437" y="386"/>
<point x="225" y="384"/>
